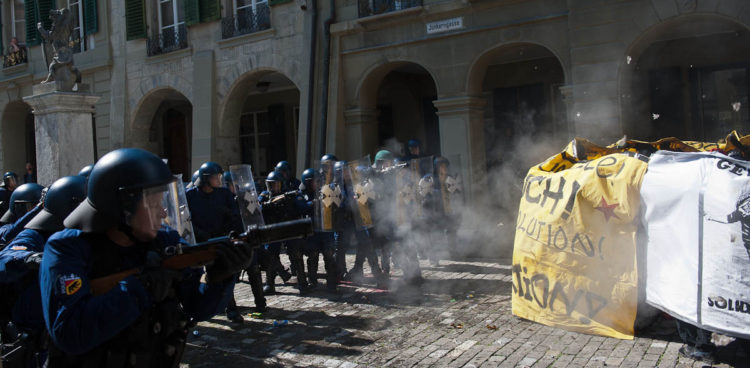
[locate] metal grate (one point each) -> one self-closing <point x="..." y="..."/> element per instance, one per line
<point x="246" y="22"/>
<point x="373" y="7"/>
<point x="167" y="41"/>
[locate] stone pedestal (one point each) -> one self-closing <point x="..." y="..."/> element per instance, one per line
<point x="64" y="131"/>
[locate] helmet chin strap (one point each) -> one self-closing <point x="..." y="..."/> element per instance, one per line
<point x="128" y="231"/>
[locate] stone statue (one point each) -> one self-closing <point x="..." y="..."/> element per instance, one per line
<point x="61" y="69"/>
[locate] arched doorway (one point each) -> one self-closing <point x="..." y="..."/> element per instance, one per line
<point x="163" y="125"/>
<point x="261" y="117"/>
<point x="402" y="96"/>
<point x="19" y="139"/>
<point x="687" y="78"/>
<point x="525" y="122"/>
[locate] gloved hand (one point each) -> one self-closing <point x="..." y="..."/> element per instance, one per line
<point x="33" y="260"/>
<point x="231" y="258"/>
<point x="158" y="281"/>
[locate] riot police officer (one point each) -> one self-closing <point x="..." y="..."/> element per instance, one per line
<point x="290" y="182"/>
<point x="272" y="214"/>
<point x="322" y="241"/>
<point x="24" y="205"/>
<point x="144" y="319"/>
<point x="214" y="213"/>
<point x="19" y="262"/>
<point x="413" y="150"/>
<point x="10" y="182"/>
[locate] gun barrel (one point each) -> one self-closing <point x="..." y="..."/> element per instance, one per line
<point x="281" y="231"/>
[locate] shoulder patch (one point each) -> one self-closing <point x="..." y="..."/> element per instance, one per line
<point x="18" y="247"/>
<point x="70" y="284"/>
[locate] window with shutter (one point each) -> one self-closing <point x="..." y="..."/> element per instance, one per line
<point x="209" y="10"/>
<point x="90" y="21"/>
<point x="135" y="19"/>
<point x="192" y="10"/>
<point x="32" y="37"/>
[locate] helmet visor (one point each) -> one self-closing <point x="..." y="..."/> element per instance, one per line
<point x="20" y="208"/>
<point x="150" y="211"/>
<point x="274" y="187"/>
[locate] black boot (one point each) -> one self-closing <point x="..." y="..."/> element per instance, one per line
<point x="256" y="285"/>
<point x="312" y="268"/>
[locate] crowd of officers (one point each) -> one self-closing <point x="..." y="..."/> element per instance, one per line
<point x="58" y="243"/>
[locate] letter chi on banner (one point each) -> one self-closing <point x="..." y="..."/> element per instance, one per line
<point x="574" y="254"/>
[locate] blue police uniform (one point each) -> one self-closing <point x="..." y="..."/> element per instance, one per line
<point x="319" y="242"/>
<point x="214" y="213"/>
<point x="121" y="323"/>
<point x="9" y="231"/>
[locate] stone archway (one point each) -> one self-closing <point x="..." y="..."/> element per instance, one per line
<point x="162" y="124"/>
<point x="396" y="103"/>
<point x="18" y="137"/>
<point x="259" y="123"/>
<point x="688" y="77"/>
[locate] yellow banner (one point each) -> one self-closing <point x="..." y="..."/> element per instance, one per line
<point x="574" y="261"/>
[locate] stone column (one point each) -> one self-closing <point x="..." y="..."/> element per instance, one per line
<point x="567" y="96"/>
<point x="462" y="135"/>
<point x="204" y="104"/>
<point x="361" y="132"/>
<point x="64" y="134"/>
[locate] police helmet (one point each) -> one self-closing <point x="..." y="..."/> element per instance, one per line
<point x="383" y="155"/>
<point x="227" y="177"/>
<point x="23" y="199"/>
<point x="284" y="168"/>
<point x="274" y="181"/>
<point x="440" y="160"/>
<point x="8" y="176"/>
<point x="328" y="157"/>
<point x="412" y="143"/>
<point x="308" y="174"/>
<point x="115" y="186"/>
<point x="206" y="171"/>
<point x="61" y="199"/>
<point x="86" y="171"/>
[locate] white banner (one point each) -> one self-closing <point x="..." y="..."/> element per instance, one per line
<point x="697" y="216"/>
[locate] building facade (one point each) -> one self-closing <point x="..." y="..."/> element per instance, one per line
<point x="493" y="85"/>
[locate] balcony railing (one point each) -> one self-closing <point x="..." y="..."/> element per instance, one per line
<point x="246" y="22"/>
<point x="373" y="7"/>
<point x="15" y="58"/>
<point x="171" y="39"/>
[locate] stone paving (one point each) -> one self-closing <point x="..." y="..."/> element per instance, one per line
<point x="461" y="317"/>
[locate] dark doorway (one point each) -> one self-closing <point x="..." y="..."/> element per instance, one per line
<point x="177" y="133"/>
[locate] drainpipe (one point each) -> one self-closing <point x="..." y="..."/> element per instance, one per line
<point x="311" y="83"/>
<point x="324" y="78"/>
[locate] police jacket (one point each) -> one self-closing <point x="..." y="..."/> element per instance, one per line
<point x="121" y="327"/>
<point x="19" y="282"/>
<point x="213" y="214"/>
<point x="9" y="231"/>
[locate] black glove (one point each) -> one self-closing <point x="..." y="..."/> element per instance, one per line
<point x="33" y="260"/>
<point x="231" y="258"/>
<point x="158" y="281"/>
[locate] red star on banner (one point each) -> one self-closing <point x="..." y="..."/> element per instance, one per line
<point x="607" y="209"/>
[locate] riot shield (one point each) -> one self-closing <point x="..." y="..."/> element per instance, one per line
<point x="329" y="198"/>
<point x="361" y="188"/>
<point x="419" y="168"/>
<point x="178" y="212"/>
<point x="448" y="177"/>
<point x="247" y="197"/>
<point x="406" y="193"/>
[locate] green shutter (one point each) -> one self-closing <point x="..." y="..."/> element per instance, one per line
<point x="277" y="2"/>
<point x="90" y="23"/>
<point x="191" y="9"/>
<point x="135" y="19"/>
<point x="29" y="9"/>
<point x="209" y="10"/>
<point x="44" y="7"/>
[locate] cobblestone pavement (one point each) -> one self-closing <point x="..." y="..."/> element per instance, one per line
<point x="461" y="318"/>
